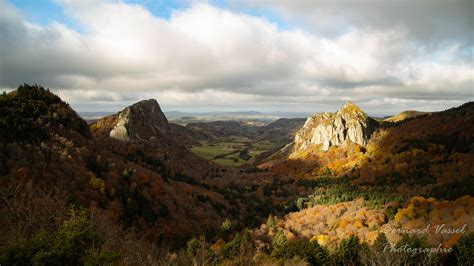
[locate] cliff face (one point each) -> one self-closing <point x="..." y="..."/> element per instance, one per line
<point x="140" y="121"/>
<point x="349" y="123"/>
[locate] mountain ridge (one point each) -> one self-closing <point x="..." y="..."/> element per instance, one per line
<point x="405" y="115"/>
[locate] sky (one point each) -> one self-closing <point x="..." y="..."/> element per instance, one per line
<point x="229" y="55"/>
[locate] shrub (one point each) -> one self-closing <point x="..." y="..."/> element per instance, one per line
<point x="22" y="251"/>
<point x="271" y="223"/>
<point x="279" y="239"/>
<point x="417" y="247"/>
<point x="379" y="253"/>
<point x="454" y="189"/>
<point x="464" y="250"/>
<point x="390" y="212"/>
<point x="309" y="251"/>
<point x="75" y="242"/>
<point x="199" y="251"/>
<point x="226" y="225"/>
<point x="300" y="203"/>
<point x="191" y="246"/>
<point x="242" y="241"/>
<point x="348" y="251"/>
<point x="327" y="171"/>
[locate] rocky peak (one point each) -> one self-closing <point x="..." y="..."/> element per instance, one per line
<point x="351" y="108"/>
<point x="327" y="129"/>
<point x="140" y="121"/>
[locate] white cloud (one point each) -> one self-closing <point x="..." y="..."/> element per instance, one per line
<point x="209" y="56"/>
<point x="427" y="20"/>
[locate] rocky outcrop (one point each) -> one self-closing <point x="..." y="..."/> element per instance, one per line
<point x="140" y="121"/>
<point x="348" y="124"/>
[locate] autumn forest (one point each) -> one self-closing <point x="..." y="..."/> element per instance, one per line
<point x="133" y="188"/>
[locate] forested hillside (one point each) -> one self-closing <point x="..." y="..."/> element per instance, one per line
<point x="71" y="193"/>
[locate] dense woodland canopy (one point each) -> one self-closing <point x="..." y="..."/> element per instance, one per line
<point x="69" y="194"/>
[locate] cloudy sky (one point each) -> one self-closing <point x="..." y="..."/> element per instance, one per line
<point x="267" y="55"/>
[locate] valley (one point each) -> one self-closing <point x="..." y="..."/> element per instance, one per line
<point x="232" y="151"/>
<point x="232" y="143"/>
<point x="331" y="189"/>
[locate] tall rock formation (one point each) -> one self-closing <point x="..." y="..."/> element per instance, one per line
<point x="349" y="123"/>
<point x="140" y="121"/>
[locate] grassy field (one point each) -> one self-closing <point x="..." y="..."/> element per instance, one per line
<point x="227" y="151"/>
<point x="208" y="152"/>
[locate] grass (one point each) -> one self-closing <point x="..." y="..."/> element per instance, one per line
<point x="230" y="148"/>
<point x="209" y="152"/>
<point x="240" y="139"/>
<point x="264" y="145"/>
<point x="254" y="153"/>
<point x="229" y="162"/>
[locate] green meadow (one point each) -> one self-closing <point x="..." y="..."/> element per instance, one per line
<point x="227" y="151"/>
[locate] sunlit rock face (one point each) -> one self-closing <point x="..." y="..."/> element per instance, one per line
<point x="140" y="121"/>
<point x="349" y="123"/>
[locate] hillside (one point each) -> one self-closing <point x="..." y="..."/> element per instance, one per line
<point x="53" y="161"/>
<point x="281" y="131"/>
<point x="425" y="153"/>
<point x="404" y="115"/>
<point x="408" y="175"/>
<point x="130" y="191"/>
<point x="144" y="186"/>
<point x="102" y="170"/>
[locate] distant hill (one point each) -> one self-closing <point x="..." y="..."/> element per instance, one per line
<point x="89" y="116"/>
<point x="280" y="131"/>
<point x="184" y="118"/>
<point x="404" y="115"/>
